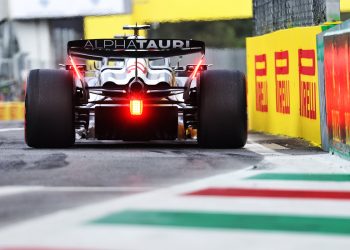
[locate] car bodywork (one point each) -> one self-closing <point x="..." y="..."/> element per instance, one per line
<point x="133" y="92"/>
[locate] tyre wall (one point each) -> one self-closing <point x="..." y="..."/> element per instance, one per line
<point x="283" y="95"/>
<point x="11" y="111"/>
<point x="334" y="46"/>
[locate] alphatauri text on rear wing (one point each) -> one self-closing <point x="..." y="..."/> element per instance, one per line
<point x="96" y="49"/>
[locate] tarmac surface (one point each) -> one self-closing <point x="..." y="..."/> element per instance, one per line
<point x="94" y="171"/>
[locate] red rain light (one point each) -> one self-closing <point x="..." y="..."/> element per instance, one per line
<point x="136" y="107"/>
<point x="75" y="68"/>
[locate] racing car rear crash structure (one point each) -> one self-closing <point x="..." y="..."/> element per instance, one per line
<point x="134" y="93"/>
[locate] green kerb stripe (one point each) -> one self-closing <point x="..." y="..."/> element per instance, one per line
<point x="301" y="177"/>
<point x="192" y="219"/>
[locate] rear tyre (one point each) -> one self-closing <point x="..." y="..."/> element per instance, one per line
<point x="49" y="106"/>
<point x="222" y="109"/>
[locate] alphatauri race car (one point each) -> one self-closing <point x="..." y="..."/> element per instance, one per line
<point x="133" y="92"/>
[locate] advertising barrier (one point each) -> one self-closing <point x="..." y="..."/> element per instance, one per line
<point x="11" y="111"/>
<point x="283" y="83"/>
<point x="345" y="5"/>
<point x="158" y="11"/>
<point x="183" y="10"/>
<point x="336" y="84"/>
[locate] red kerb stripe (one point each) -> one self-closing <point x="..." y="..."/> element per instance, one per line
<point x="272" y="193"/>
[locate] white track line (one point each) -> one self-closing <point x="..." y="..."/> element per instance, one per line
<point x="96" y="189"/>
<point x="12" y="190"/>
<point x="11" y="129"/>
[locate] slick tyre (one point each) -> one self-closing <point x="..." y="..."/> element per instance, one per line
<point x="222" y="109"/>
<point x="49" y="109"/>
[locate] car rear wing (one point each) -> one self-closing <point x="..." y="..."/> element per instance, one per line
<point x="96" y="49"/>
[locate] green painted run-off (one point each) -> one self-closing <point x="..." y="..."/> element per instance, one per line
<point x="242" y="221"/>
<point x="301" y="177"/>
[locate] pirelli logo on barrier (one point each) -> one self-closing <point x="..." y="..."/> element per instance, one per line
<point x="282" y="82"/>
<point x="307" y="83"/>
<point x="261" y="97"/>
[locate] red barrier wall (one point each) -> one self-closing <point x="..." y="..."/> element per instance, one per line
<point x="337" y="87"/>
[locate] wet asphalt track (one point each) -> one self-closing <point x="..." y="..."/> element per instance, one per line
<point x="95" y="171"/>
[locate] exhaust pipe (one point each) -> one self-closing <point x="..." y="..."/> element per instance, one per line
<point x="136" y="88"/>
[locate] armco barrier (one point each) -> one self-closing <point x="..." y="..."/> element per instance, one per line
<point x="283" y="83"/>
<point x="336" y="87"/>
<point x="11" y="111"/>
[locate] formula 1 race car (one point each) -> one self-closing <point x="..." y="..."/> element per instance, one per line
<point x="134" y="93"/>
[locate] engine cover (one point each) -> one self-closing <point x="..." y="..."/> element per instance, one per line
<point x="116" y="123"/>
